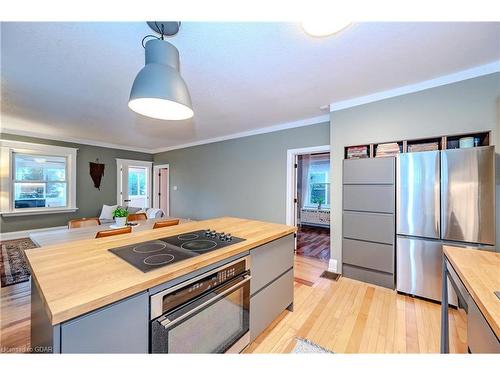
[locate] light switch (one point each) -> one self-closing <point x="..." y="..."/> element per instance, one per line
<point x="175" y="187"/>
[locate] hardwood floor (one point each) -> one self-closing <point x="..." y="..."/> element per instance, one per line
<point x="15" y="318"/>
<point x="345" y="316"/>
<point x="314" y="242"/>
<point x="348" y="316"/>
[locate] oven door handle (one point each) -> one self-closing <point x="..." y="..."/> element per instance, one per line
<point x="166" y="323"/>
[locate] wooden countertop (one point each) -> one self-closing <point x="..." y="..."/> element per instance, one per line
<point x="81" y="276"/>
<point x="480" y="274"/>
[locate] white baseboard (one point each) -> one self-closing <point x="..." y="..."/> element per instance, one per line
<point x="332" y="265"/>
<point x="26" y="233"/>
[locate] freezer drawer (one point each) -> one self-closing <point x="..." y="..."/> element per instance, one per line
<point x="418" y="270"/>
<point x="418" y="194"/>
<point x="468" y="195"/>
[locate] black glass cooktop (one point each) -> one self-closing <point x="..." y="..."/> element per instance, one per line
<point x="150" y="255"/>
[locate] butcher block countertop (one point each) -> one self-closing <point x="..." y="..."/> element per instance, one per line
<point x="480" y="274"/>
<point x="78" y="277"/>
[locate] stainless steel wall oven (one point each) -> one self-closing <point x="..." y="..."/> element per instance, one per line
<point x="207" y="314"/>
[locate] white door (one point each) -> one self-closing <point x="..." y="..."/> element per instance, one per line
<point x="134" y="183"/>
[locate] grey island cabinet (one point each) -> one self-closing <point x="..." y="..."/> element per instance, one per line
<point x="123" y="325"/>
<point x="271" y="288"/>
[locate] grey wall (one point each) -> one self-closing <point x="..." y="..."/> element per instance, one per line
<point x="462" y="107"/>
<point x="244" y="177"/>
<point x="89" y="200"/>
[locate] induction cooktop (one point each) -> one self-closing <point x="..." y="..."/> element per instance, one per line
<point x="149" y="255"/>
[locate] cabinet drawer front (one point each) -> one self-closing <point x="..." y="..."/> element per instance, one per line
<point x="266" y="305"/>
<point x="372" y="198"/>
<point x="369" y="227"/>
<point x="369" y="255"/>
<point x="369" y="171"/>
<point x="368" y="276"/>
<point x="271" y="260"/>
<point x="480" y="337"/>
<point x="119" y="328"/>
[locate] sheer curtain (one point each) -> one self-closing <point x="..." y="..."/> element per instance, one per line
<point x="304" y="196"/>
<point x="315" y="171"/>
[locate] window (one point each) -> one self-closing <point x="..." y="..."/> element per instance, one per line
<point x="136" y="181"/>
<point x="318" y="182"/>
<point x="40" y="181"/>
<point x="38" y="178"/>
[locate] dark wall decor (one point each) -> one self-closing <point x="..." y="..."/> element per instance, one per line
<point x="96" y="172"/>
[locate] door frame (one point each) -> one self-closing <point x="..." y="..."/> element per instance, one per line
<point x="120" y="163"/>
<point x="291" y="177"/>
<point x="156" y="197"/>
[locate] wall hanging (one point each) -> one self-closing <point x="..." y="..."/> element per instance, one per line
<point x="96" y="172"/>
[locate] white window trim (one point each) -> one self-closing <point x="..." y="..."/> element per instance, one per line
<point x="7" y="148"/>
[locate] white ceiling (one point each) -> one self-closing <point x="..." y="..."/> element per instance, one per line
<point x="72" y="80"/>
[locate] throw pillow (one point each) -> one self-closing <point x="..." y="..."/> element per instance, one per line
<point x="107" y="212"/>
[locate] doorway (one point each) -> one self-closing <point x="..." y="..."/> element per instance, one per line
<point x="308" y="201"/>
<point x="133" y="183"/>
<point x="161" y="190"/>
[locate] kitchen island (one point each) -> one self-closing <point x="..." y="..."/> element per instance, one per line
<point x="86" y="299"/>
<point x="475" y="276"/>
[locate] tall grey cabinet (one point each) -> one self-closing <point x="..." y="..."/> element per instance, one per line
<point x="368" y="223"/>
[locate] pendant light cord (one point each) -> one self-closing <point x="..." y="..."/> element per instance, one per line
<point x="161" y="31"/>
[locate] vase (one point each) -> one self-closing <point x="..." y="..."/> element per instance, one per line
<point x="121" y="221"/>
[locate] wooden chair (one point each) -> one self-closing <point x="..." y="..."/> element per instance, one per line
<point x="135" y="217"/>
<point x="165" y="223"/>
<point x="113" y="232"/>
<point x="83" y="222"/>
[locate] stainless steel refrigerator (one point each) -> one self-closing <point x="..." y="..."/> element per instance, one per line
<point x="443" y="197"/>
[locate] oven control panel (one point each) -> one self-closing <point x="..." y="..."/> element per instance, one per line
<point x="211" y="281"/>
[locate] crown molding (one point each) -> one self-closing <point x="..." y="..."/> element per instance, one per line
<point x="82" y="141"/>
<point x="284" y="126"/>
<point x="463" y="75"/>
<point x="269" y="129"/>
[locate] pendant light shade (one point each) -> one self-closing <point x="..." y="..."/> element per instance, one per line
<point x="158" y="90"/>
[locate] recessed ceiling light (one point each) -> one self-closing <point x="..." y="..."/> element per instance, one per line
<point x="324" y="27"/>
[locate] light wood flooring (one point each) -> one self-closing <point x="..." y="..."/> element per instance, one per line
<point x="344" y="316"/>
<point x="348" y="316"/>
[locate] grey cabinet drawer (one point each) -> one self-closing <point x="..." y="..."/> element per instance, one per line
<point x="369" y="171"/>
<point x="372" y="198"/>
<point x="271" y="260"/>
<point x="480" y="337"/>
<point x="122" y="327"/>
<point x="266" y="305"/>
<point x="368" y="254"/>
<point x="369" y="227"/>
<point x="368" y="276"/>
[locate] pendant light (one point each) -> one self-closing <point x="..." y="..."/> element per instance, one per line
<point x="321" y="27"/>
<point x="158" y="90"/>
